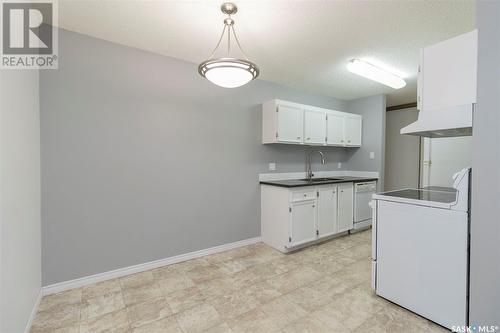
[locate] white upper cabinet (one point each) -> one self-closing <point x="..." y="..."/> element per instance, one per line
<point x="446" y="88"/>
<point x="352" y="130"/>
<point x="292" y="123"/>
<point x="448" y="73"/>
<point x="335" y="125"/>
<point x="282" y="123"/>
<point x="344" y="129"/>
<point x="314" y="127"/>
<point x="420" y="82"/>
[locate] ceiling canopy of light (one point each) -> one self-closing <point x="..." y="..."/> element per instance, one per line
<point x="227" y="71"/>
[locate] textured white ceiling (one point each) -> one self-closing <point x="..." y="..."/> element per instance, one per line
<point x="302" y="44"/>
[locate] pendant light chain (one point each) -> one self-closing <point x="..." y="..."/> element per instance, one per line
<point x="228" y="36"/>
<point x="238" y="42"/>
<point x="229" y="24"/>
<point x="218" y="43"/>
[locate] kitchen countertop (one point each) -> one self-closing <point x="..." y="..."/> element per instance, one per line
<point x="300" y="183"/>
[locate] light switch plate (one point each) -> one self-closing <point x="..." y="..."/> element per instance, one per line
<point x="339" y="165"/>
<point x="272" y="166"/>
<point x="372" y="155"/>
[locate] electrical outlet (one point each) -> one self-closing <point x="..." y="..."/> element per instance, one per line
<point x="272" y="166"/>
<point x="339" y="165"/>
<point x="372" y="155"/>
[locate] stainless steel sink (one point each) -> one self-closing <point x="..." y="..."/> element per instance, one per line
<point x="324" y="179"/>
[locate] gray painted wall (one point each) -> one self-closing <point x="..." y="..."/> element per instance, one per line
<point x="402" y="152"/>
<point x="485" y="223"/>
<point x="373" y="111"/>
<point x="20" y="257"/>
<point x="143" y="159"/>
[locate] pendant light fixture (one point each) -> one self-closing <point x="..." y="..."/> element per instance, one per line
<point x="227" y="71"/>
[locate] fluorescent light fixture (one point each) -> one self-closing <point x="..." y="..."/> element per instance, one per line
<point x="375" y="73"/>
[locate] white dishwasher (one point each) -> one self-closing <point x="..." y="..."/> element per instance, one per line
<point x="363" y="192"/>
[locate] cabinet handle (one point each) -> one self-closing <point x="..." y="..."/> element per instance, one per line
<point x="349" y="141"/>
<point x="308" y="139"/>
<point x="333" y="192"/>
<point x="314" y="206"/>
<point x="305" y="195"/>
<point x="298" y="138"/>
<point x="341" y="140"/>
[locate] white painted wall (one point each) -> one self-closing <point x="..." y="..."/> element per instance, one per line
<point x="20" y="238"/>
<point x="442" y="157"/>
<point x="401" y="151"/>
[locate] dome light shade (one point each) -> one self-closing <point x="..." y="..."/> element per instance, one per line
<point x="228" y="72"/>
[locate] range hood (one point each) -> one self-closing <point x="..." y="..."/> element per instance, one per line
<point x="438" y="123"/>
<point x="446" y="88"/>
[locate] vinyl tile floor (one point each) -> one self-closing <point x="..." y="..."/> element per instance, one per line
<point x="323" y="288"/>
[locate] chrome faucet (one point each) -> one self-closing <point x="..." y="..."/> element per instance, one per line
<point x="308" y="162"/>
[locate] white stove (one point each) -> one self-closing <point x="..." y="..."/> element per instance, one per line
<point x="420" y="257"/>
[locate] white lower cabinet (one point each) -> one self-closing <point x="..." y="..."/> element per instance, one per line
<point x="302" y="222"/>
<point x="291" y="217"/>
<point x="327" y="211"/>
<point x="345" y="207"/>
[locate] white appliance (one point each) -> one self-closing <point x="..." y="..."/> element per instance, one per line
<point x="420" y="250"/>
<point x="446" y="81"/>
<point x="362" y="197"/>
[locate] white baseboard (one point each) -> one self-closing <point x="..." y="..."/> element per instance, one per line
<point x="84" y="281"/>
<point x="33" y="312"/>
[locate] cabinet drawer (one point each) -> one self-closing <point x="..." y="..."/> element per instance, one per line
<point x="303" y="195"/>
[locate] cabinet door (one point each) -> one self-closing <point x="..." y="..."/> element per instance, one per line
<point x="345" y="207"/>
<point x="314" y="127"/>
<point x="353" y="130"/>
<point x="335" y="129"/>
<point x="302" y="222"/>
<point x="450" y="73"/>
<point x="327" y="211"/>
<point x="420" y="81"/>
<point x="290" y="124"/>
